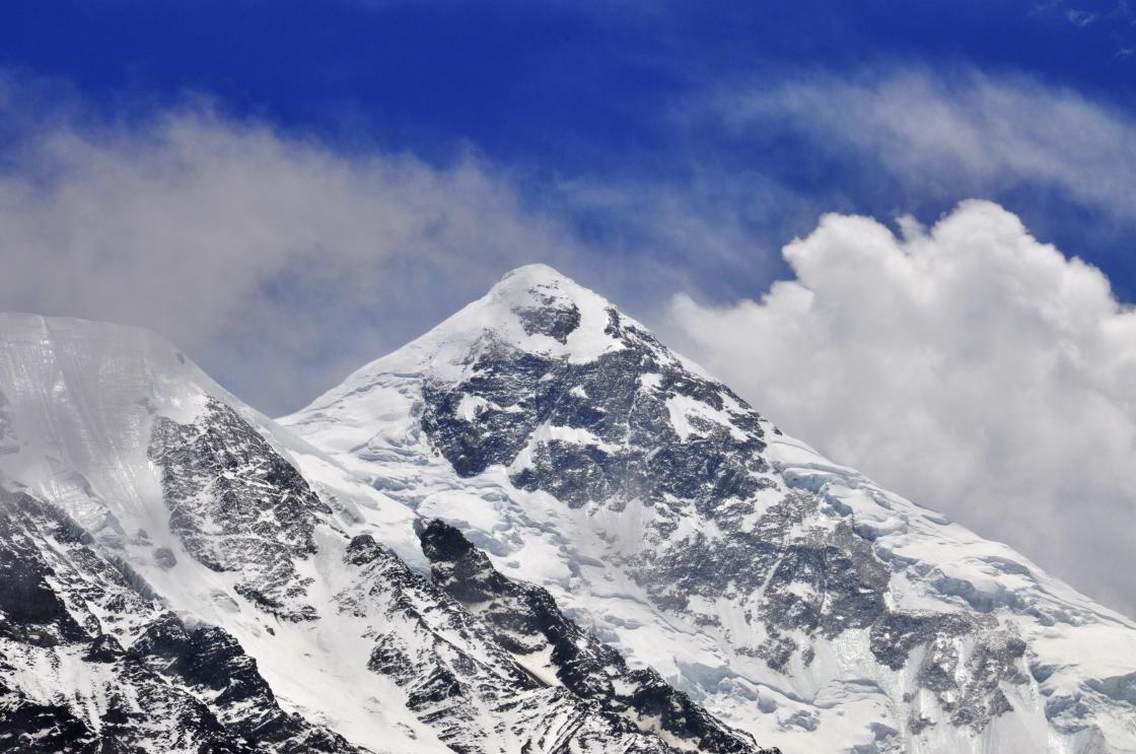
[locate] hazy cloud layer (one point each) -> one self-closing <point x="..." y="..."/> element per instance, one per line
<point x="282" y="263"/>
<point x="941" y="133"/>
<point x="978" y="371"/>
<point x="265" y="254"/>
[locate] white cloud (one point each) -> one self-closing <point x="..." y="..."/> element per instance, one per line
<point x="278" y="262"/>
<point x="968" y="366"/>
<point x="937" y="133"/>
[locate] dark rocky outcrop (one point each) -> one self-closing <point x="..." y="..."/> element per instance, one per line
<point x="238" y="505"/>
<point x="527" y="622"/>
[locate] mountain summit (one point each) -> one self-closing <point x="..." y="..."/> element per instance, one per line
<point x="534" y="309"/>
<point x="533" y="529"/>
<point x="792" y="596"/>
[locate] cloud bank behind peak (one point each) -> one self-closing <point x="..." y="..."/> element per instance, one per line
<point x="975" y="369"/>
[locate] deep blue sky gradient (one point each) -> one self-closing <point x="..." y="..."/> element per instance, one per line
<point x="560" y="91"/>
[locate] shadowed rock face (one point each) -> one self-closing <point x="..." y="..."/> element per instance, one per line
<point x="455" y="666"/>
<point x="31" y="610"/>
<point x="549" y="317"/>
<point x="238" y="505"/>
<point x="527" y="623"/>
<point x="28" y="727"/>
<point x="174" y="688"/>
<point x="633" y="450"/>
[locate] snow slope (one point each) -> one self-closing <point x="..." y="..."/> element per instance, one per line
<point x="179" y="573"/>
<point x="789" y="594"/>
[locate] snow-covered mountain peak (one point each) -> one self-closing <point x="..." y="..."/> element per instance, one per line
<point x="538" y="286"/>
<point x="792" y="595"/>
<point x="533" y="309"/>
<point x="537" y="309"/>
<point x="518" y="285"/>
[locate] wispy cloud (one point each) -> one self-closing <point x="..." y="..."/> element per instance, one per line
<point x="281" y="262"/>
<point x="943" y="133"/>
<point x="277" y="261"/>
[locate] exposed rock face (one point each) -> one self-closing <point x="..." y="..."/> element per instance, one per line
<point x="238" y="505"/>
<point x="636" y="424"/>
<point x="612" y="438"/>
<point x="527" y="623"/>
<point x="454" y="667"/>
<point x="549" y="317"/>
<point x="66" y="611"/>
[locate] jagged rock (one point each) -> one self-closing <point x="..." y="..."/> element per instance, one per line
<point x="238" y="505"/>
<point x="175" y="689"/>
<point x="454" y="667"/>
<point x="527" y="623"/>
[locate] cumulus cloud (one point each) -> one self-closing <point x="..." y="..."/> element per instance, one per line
<point x="968" y="366"/>
<point x="942" y="132"/>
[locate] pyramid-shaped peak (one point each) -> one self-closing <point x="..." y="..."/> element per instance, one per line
<point x="541" y="285"/>
<point x="537" y="273"/>
<point x="533" y="309"/>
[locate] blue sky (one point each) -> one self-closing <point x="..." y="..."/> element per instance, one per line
<point x="556" y="92"/>
<point x="288" y="190"/>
